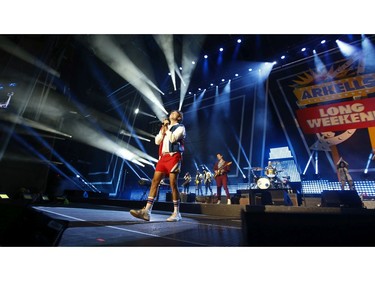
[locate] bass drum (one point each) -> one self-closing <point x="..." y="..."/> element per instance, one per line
<point x="263" y="183"/>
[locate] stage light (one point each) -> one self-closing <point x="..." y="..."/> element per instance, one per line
<point x="138" y="111"/>
<point x="221" y="49"/>
<point x="303" y="49"/>
<point x="275" y="62"/>
<point x="239" y="41"/>
<point x="282" y="57"/>
<point x="205" y="56"/>
<point x="322" y="42"/>
<point x="4" y="196"/>
<point x="314" y="51"/>
<point x="193" y="62"/>
<point x="250" y="69"/>
<point x="222" y="80"/>
<point x="346" y="49"/>
<point x="211" y="84"/>
<point x="236" y="74"/>
<point x="180" y="68"/>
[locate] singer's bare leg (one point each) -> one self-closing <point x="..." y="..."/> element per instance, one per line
<point x="173" y="182"/>
<point x="158" y="176"/>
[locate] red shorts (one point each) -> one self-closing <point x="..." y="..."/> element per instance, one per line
<point x="169" y="164"/>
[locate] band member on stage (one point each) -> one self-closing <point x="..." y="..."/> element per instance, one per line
<point x="207" y="180"/>
<point x="171" y="146"/>
<point x="270" y="170"/>
<point x="221" y="169"/>
<point x="186" y="184"/>
<point x="343" y="173"/>
<point x="198" y="183"/>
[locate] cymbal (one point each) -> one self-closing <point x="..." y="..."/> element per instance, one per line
<point x="257" y="169"/>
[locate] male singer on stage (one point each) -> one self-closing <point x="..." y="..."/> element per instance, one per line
<point x="171" y="146"/>
<point x="221" y="169"/>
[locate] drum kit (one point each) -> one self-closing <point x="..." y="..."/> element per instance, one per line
<point x="270" y="180"/>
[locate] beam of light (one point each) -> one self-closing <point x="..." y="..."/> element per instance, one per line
<point x="196" y="165"/>
<point x="123" y="132"/>
<point x="220" y="57"/>
<point x="236" y="50"/>
<point x="115" y="58"/>
<point x="241" y="147"/>
<point x="54" y="153"/>
<point x="43" y="158"/>
<point x="114" y="101"/>
<point x="368" y="55"/>
<point x="224" y="100"/>
<point x="346" y="49"/>
<point x="191" y="48"/>
<point x="368" y="162"/>
<point x="87" y="135"/>
<point x="316" y="163"/>
<point x="8" y="46"/>
<point x="138" y="111"/>
<point x="265" y="69"/>
<point x="106" y="122"/>
<point x="308" y="163"/>
<point x="165" y="42"/>
<point x="320" y="67"/>
<point x="236" y="162"/>
<point x="13" y="118"/>
<point x="179" y="74"/>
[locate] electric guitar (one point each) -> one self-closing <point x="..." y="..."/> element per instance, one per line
<point x="220" y="171"/>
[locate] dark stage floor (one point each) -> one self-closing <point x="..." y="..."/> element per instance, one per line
<point x="98" y="225"/>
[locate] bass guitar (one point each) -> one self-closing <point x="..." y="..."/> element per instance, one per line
<point x="221" y="170"/>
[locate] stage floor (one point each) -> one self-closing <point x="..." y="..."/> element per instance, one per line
<point x="97" y="225"/>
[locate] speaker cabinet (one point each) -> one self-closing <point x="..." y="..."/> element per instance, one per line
<point x="34" y="228"/>
<point x="341" y="198"/>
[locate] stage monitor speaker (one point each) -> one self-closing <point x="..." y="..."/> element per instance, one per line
<point x="191" y="197"/>
<point x="34" y="228"/>
<point x="341" y="198"/>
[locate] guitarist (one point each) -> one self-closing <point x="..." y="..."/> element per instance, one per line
<point x="221" y="169"/>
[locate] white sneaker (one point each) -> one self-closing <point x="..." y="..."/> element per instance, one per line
<point x="229" y="202"/>
<point x="174" y="217"/>
<point x="141" y="214"/>
<point x="218" y="202"/>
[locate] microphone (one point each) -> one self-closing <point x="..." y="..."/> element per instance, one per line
<point x="165" y="122"/>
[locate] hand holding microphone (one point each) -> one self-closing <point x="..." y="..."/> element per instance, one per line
<point x="164" y="125"/>
<point x="165" y="122"/>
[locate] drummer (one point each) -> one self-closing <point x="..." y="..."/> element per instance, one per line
<point x="270" y="170"/>
<point x="271" y="173"/>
